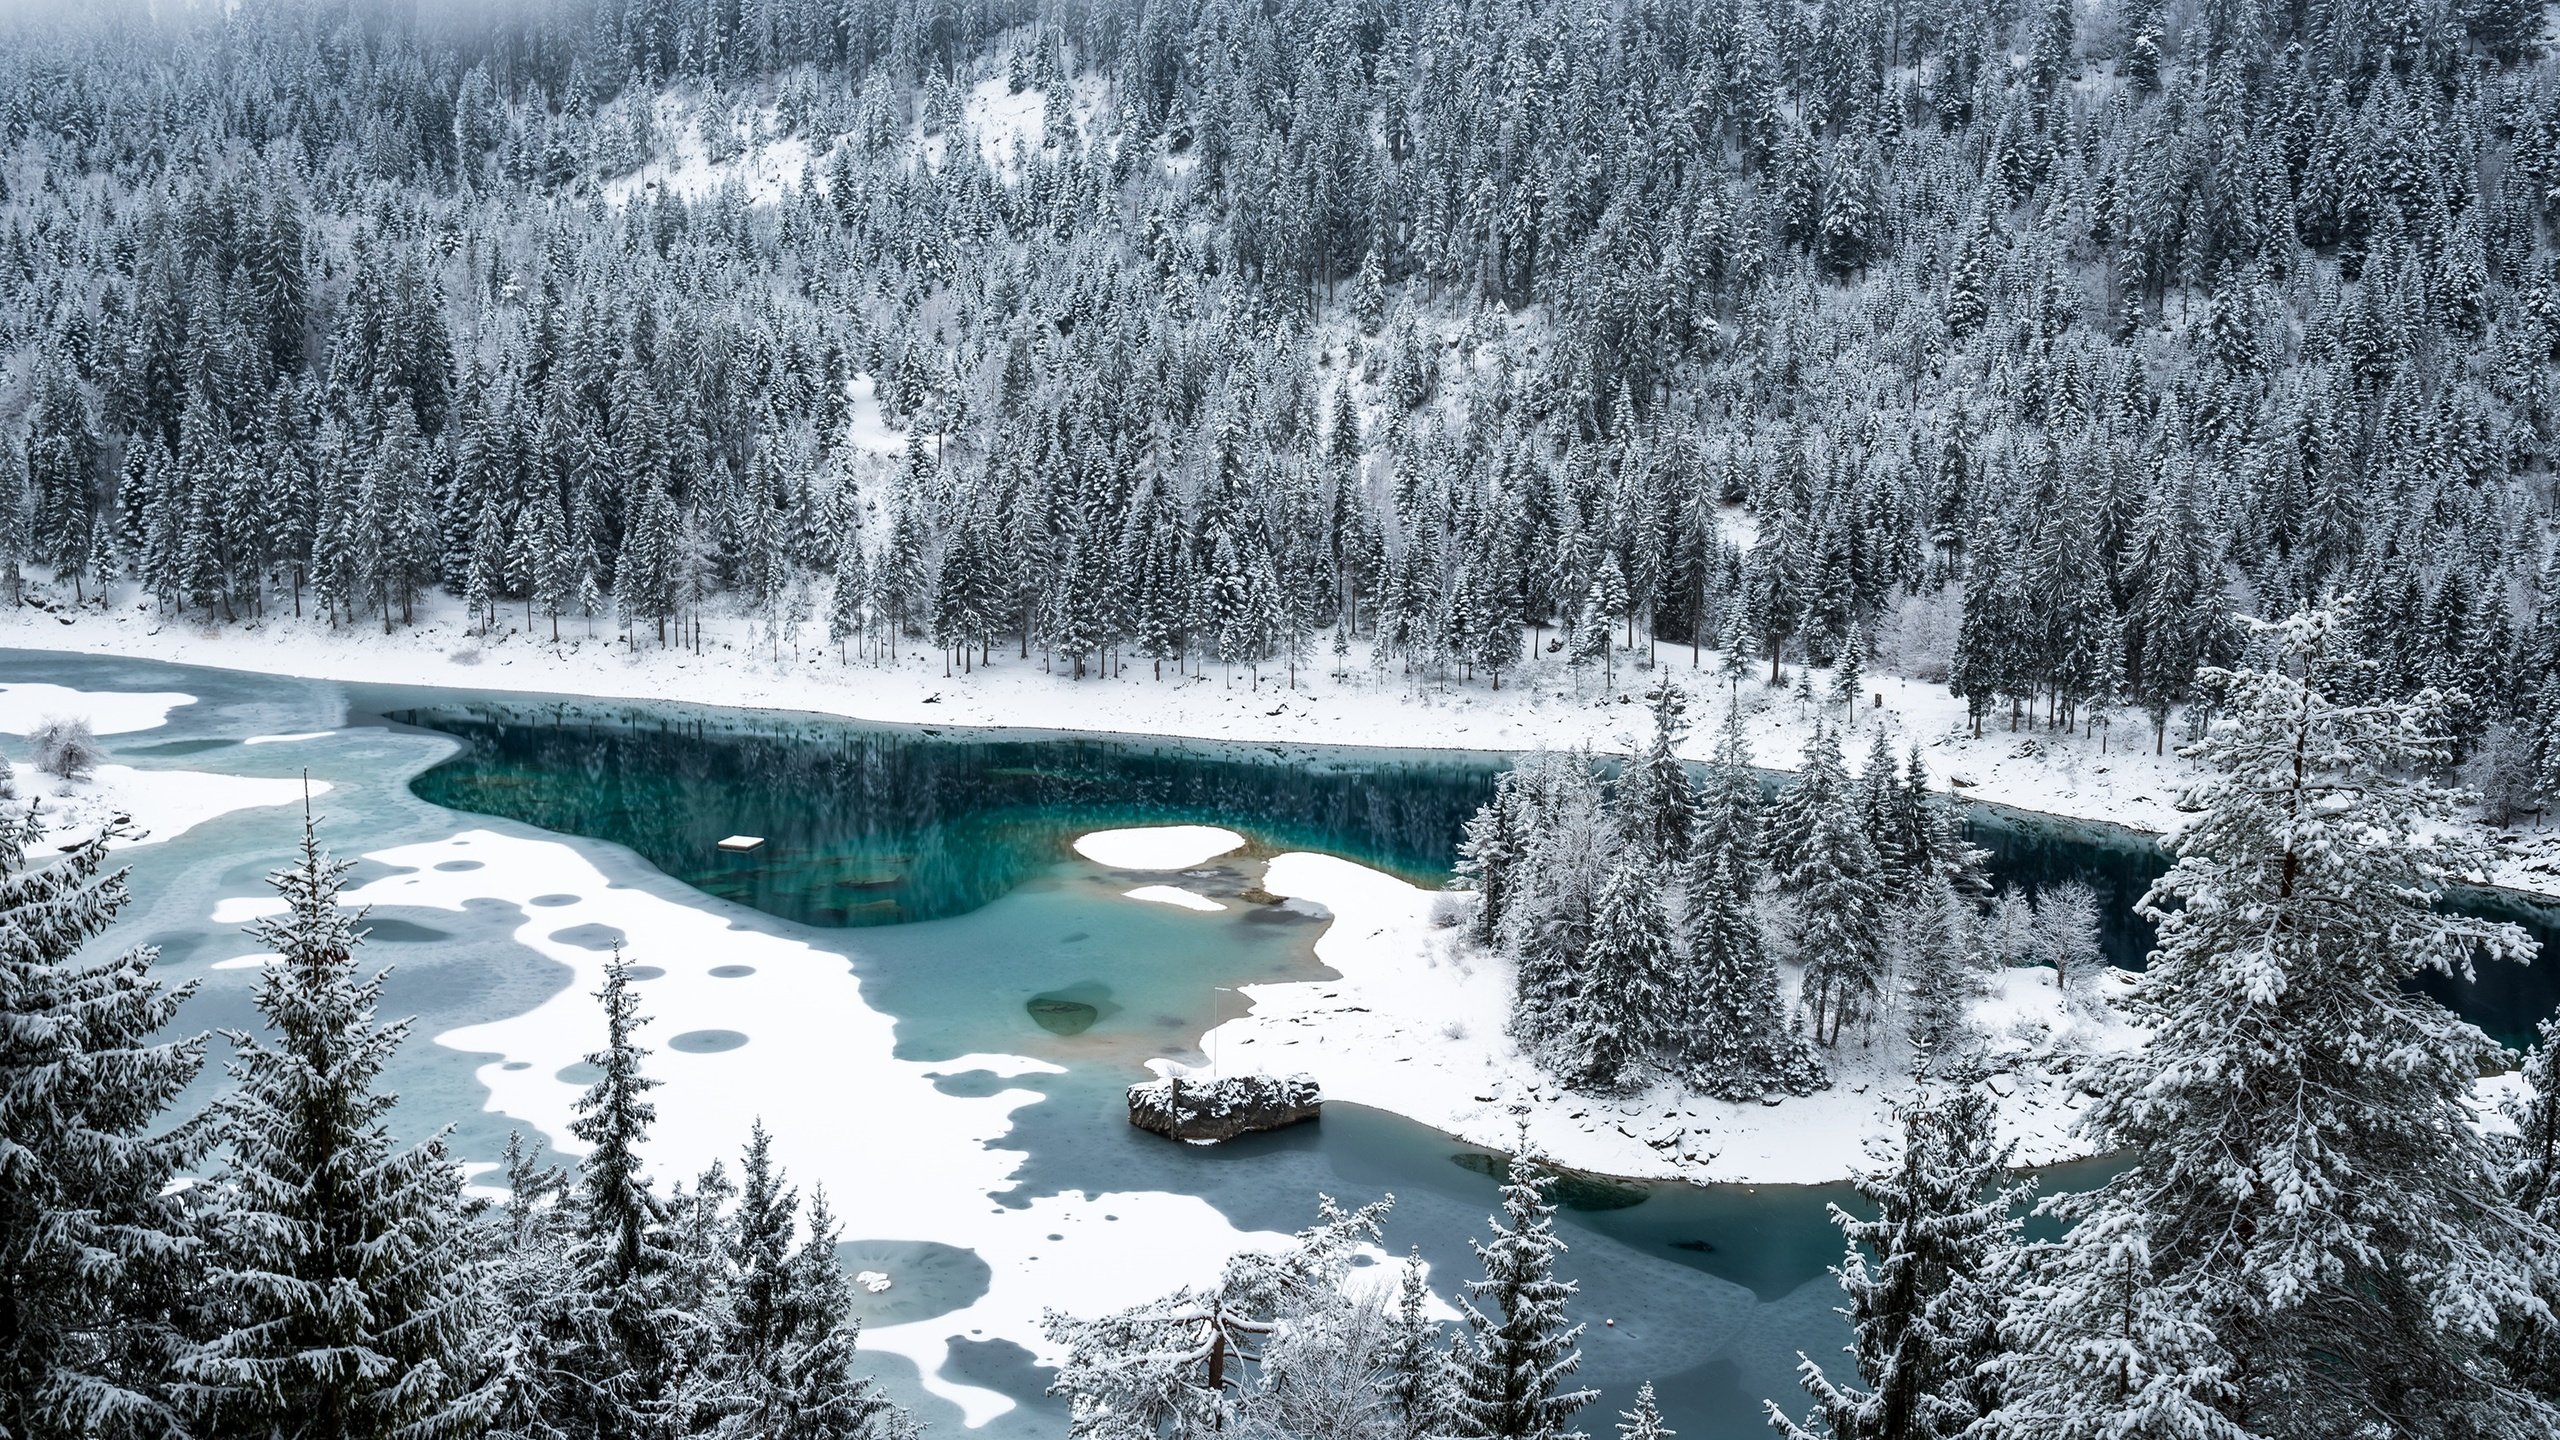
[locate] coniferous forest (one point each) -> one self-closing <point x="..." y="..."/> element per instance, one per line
<point x="2194" y="362"/>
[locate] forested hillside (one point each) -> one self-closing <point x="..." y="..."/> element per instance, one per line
<point x="2014" y="347"/>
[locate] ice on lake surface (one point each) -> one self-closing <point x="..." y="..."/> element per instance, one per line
<point x="928" y="997"/>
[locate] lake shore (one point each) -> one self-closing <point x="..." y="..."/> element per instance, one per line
<point x="2113" y="780"/>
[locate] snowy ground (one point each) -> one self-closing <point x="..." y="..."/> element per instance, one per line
<point x="160" y="803"/>
<point x="1415" y="1025"/>
<point x="2099" y="779"/>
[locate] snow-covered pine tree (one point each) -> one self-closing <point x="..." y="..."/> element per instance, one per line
<point x="341" y="1271"/>
<point x="1494" y="842"/>
<point x="1186" y="1362"/>
<point x="1655" y="803"/>
<point x="1935" y="949"/>
<point x="1826" y="868"/>
<point x="783" y="1335"/>
<point x="1732" y="1009"/>
<point x="527" y="1340"/>
<point x="1546" y="927"/>
<point x="1517" y="1351"/>
<point x="1622" y="1025"/>
<point x="95" y="1245"/>
<point x="1788" y="825"/>
<point x="1849" y="673"/>
<point x="812" y="1391"/>
<point x="1417" y="1361"/>
<point x="626" y="1358"/>
<point x="1645" y="1421"/>
<point x="2531" y="1346"/>
<point x="2312" y="1239"/>
<point x="1922" y="1279"/>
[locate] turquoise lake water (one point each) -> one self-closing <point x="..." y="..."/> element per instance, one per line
<point x="939" y="863"/>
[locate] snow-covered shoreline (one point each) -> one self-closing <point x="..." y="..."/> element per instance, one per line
<point x="2038" y="772"/>
<point x="1415" y="1024"/>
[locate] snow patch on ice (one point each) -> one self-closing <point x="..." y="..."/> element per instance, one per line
<point x="1175" y="895"/>
<point x="162" y="803"/>
<point x="288" y="739"/>
<point x="816" y="1042"/>
<point x="241" y="909"/>
<point x="1157" y="847"/>
<point x="109" y="712"/>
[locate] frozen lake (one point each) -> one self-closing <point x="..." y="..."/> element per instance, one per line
<point x="935" y="1004"/>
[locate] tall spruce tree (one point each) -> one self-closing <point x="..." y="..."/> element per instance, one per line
<point x="2312" y="1239"/>
<point x="1732" y="1009"/>
<point x="2531" y="1345"/>
<point x="627" y="1359"/>
<point x="341" y="1275"/>
<point x="1518" y="1351"/>
<point x="1622" y="1029"/>
<point x="1655" y="804"/>
<point x="97" y="1244"/>
<point x="1922" y="1278"/>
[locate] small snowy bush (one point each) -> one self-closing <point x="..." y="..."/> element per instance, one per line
<point x="65" y="747"/>
<point x="1447" y="909"/>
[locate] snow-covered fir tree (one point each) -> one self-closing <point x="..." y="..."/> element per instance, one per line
<point x="1622" y="1024"/>
<point x="2531" y="1345"/>
<point x="627" y="1358"/>
<point x="341" y="1272"/>
<point x="1195" y="1362"/>
<point x="1732" y="1007"/>
<point x="1644" y="1422"/>
<point x="2312" y="1238"/>
<point x="1517" y="1352"/>
<point x="1923" y="1278"/>
<point x="1417" y="1359"/>
<point x="1826" y="867"/>
<point x="97" y="1240"/>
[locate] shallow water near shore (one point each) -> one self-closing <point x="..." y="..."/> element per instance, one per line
<point x="940" y="865"/>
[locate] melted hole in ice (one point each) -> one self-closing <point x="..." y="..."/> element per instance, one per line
<point x="380" y="931"/>
<point x="550" y="901"/>
<point x="1061" y="1016"/>
<point x="594" y="937"/>
<point x="707" y="1042"/>
<point x="731" y="972"/>
<point x="970" y="1084"/>
<point x="646" y="972"/>
<point x="926" y="1278"/>
<point x="176" y="946"/>
<point x="458" y="864"/>
<point x="582" y="1073"/>
<point x="517" y="1065"/>
<point x="1075" y="937"/>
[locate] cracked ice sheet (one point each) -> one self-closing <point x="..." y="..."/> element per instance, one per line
<point x="899" y="1159"/>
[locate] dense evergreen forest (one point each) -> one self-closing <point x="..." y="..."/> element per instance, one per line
<point x="2017" y="347"/>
